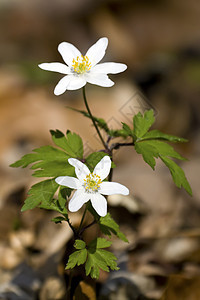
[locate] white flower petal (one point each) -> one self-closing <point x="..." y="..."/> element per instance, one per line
<point x="111" y="188"/>
<point x="102" y="169"/>
<point x="69" y="181"/>
<point x="109" y="68"/>
<point x="79" y="198"/>
<point x="81" y="169"/>
<point x="55" y="67"/>
<point x="97" y="51"/>
<point x="99" y="203"/>
<point x="69" y="82"/>
<point x="98" y="79"/>
<point x="68" y="52"/>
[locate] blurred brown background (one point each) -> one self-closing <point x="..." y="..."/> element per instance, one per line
<point x="160" y="43"/>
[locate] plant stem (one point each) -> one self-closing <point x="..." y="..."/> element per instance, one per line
<point x="83" y="216"/>
<point x="118" y="145"/>
<point x="86" y="227"/>
<point x="110" y="175"/>
<point x="69" y="285"/>
<point x="93" y="120"/>
<point x="72" y="227"/>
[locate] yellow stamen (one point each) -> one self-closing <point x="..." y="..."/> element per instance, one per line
<point x="81" y="64"/>
<point x="92" y="182"/>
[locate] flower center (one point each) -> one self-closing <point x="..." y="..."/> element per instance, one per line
<point x="92" y="183"/>
<point x="81" y="64"/>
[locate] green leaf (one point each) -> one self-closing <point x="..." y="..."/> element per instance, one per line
<point x="58" y="219"/>
<point x="79" y="244"/>
<point x="71" y="143"/>
<point x="50" y="162"/>
<point x="94" y="257"/>
<point x="63" y="194"/>
<point x="53" y="169"/>
<point x="151" y="144"/>
<point x="44" y="153"/>
<point x="141" y="124"/>
<point x="155" y="148"/>
<point x="109" y="226"/>
<point x="151" y="149"/>
<point x="93" y="159"/>
<point x="99" y="258"/>
<point x="41" y="192"/>
<point x="119" y="133"/>
<point x="156" y="134"/>
<point x="99" y="243"/>
<point x="54" y="205"/>
<point x="94" y="263"/>
<point x="127" y="130"/>
<point x="177" y="174"/>
<point x="109" y="258"/>
<point x="76" y="258"/>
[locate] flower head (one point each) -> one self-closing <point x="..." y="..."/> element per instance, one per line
<point x="79" y="69"/>
<point x="90" y="186"/>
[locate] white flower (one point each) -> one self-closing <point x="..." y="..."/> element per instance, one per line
<point x="90" y="186"/>
<point x="81" y="69"/>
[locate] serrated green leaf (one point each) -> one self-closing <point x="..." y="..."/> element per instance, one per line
<point x="99" y="258"/>
<point x="94" y="257"/>
<point x="50" y="162"/>
<point x="91" y="268"/>
<point x="151" y="149"/>
<point x="44" y="153"/>
<point x="95" y="261"/>
<point x="178" y="174"/>
<point x="78" y="258"/>
<point x="53" y="169"/>
<point x="63" y="194"/>
<point x="54" y="205"/>
<point x="79" y="244"/>
<point x="148" y="153"/>
<point x="71" y="143"/>
<point x="109" y="226"/>
<point x="94" y="272"/>
<point x="93" y="159"/>
<point x="58" y="219"/>
<point x="118" y="133"/>
<point x="99" y="243"/>
<point x="127" y="130"/>
<point x="157" y="134"/>
<point x="109" y="258"/>
<point x="141" y="124"/>
<point x="41" y="192"/>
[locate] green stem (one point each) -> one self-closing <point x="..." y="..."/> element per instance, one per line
<point x="93" y="120"/>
